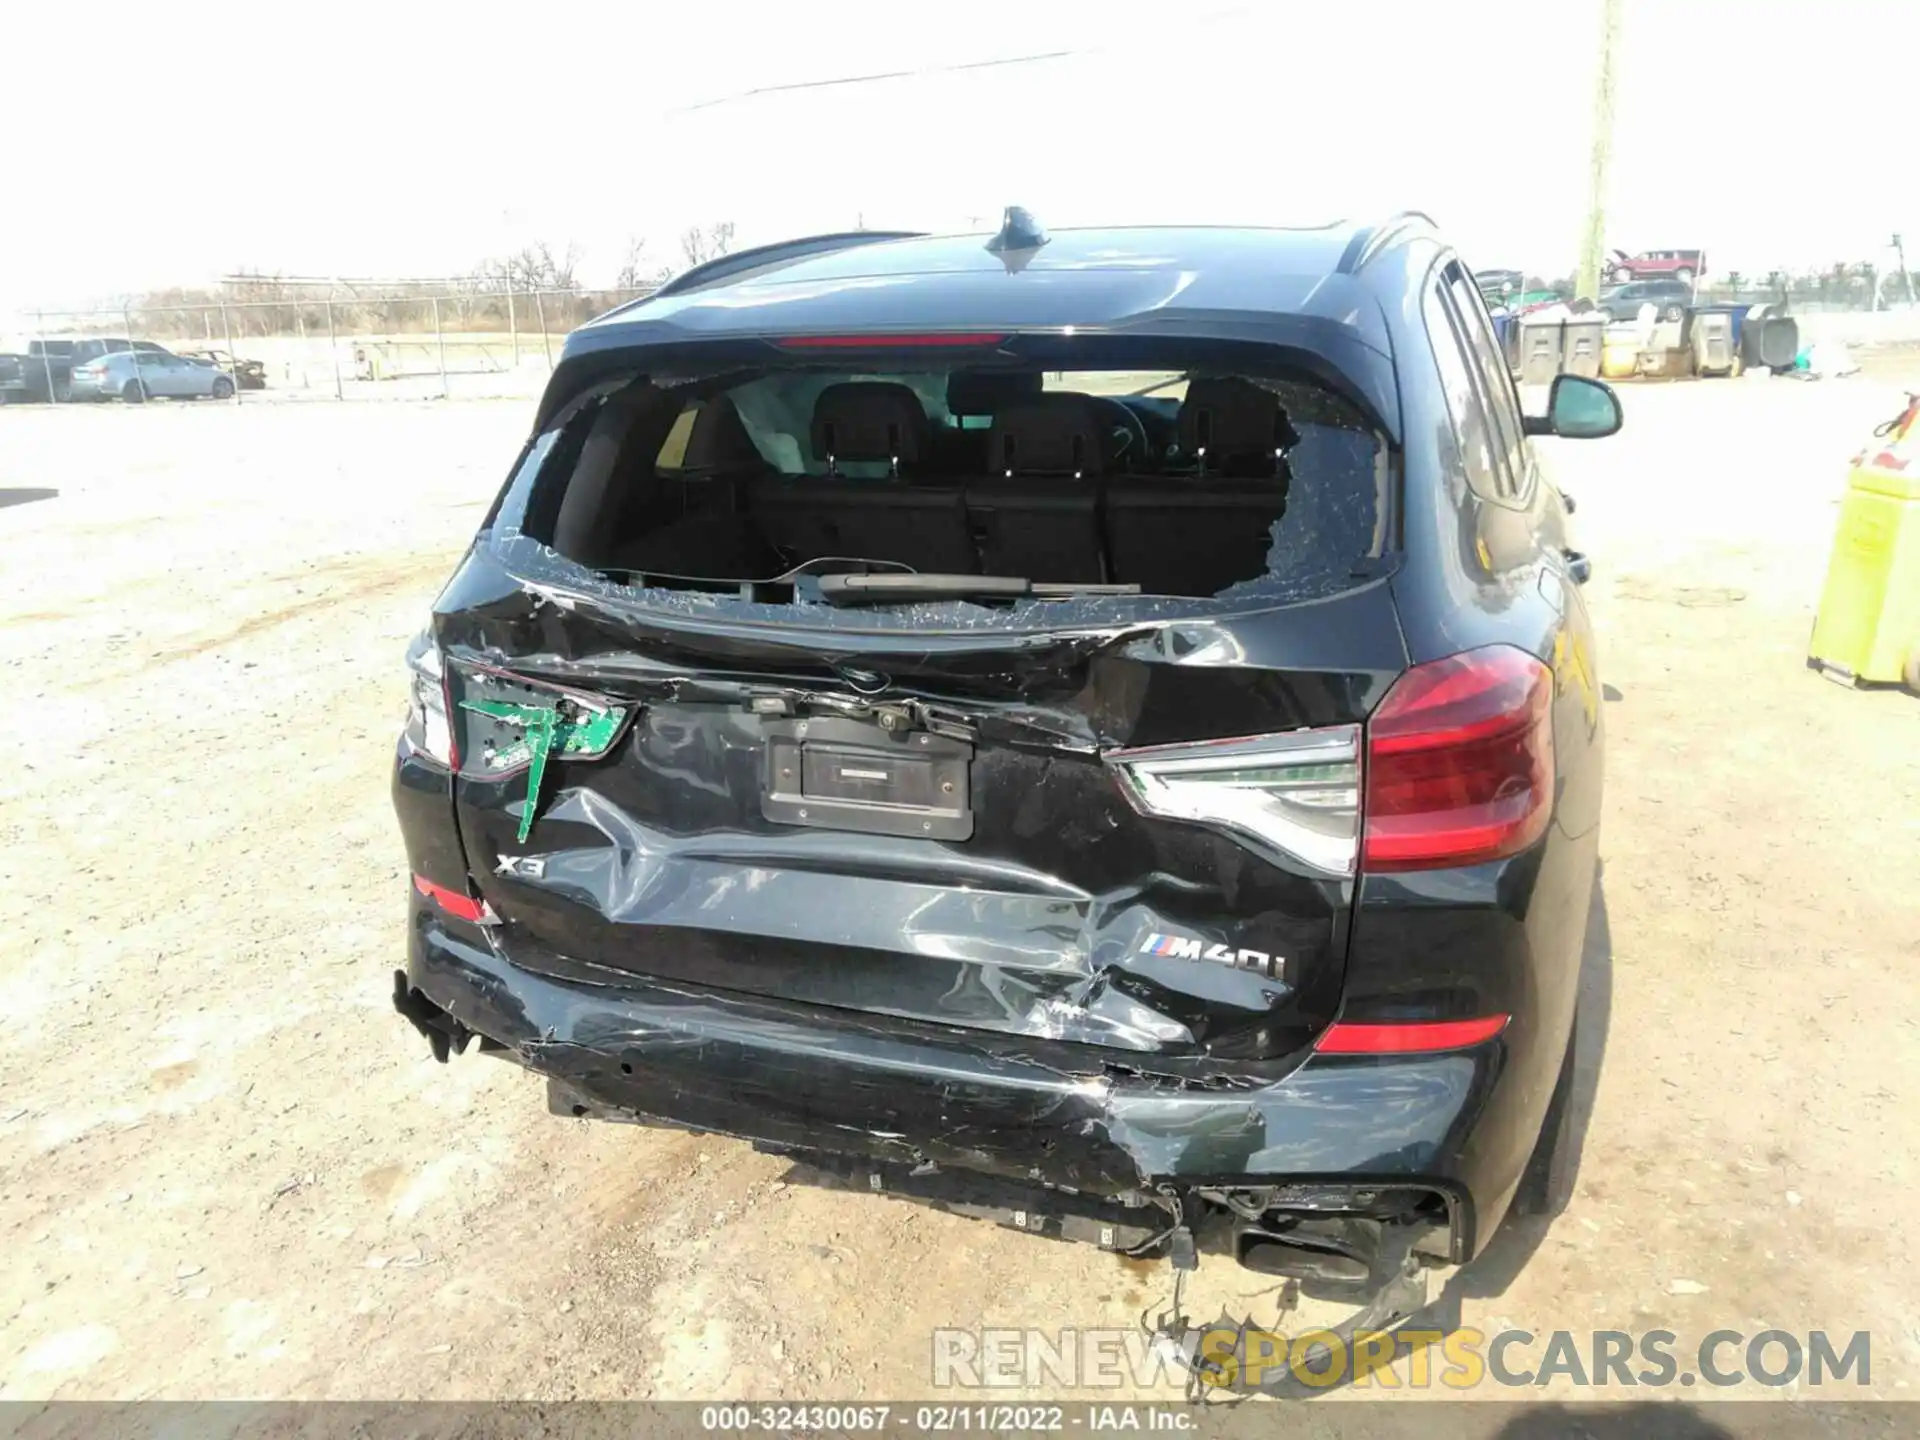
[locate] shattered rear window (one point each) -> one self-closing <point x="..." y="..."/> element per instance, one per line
<point x="1130" y="496"/>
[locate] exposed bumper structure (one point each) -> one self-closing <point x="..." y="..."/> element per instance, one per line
<point x="895" y="1098"/>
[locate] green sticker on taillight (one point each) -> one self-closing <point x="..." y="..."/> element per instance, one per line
<point x="527" y="731"/>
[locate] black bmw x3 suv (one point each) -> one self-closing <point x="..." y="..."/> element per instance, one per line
<point x="1095" y="730"/>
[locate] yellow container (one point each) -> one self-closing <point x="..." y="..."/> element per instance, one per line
<point x="1868" y="628"/>
<point x="1617" y="361"/>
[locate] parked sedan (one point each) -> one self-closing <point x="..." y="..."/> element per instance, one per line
<point x="136" y="376"/>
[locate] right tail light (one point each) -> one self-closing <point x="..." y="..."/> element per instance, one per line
<point x="429" y="727"/>
<point x="1459" y="762"/>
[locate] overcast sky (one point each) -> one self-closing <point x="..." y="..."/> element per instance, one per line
<point x="153" y="145"/>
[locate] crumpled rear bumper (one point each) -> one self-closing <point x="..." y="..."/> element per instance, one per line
<point x="808" y="1078"/>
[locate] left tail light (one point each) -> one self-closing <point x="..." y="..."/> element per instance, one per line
<point x="429" y="713"/>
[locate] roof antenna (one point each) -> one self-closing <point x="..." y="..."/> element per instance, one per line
<point x="1020" y="236"/>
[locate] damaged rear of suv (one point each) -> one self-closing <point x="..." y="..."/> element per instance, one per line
<point x="1097" y="732"/>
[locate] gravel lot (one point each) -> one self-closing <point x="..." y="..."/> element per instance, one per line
<point x="227" y="1169"/>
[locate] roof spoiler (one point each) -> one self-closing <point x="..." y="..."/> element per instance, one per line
<point x="738" y="262"/>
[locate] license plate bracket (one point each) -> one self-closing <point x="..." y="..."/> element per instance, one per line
<point x="835" y="773"/>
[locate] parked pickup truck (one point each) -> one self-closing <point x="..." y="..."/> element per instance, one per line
<point x="46" y="370"/>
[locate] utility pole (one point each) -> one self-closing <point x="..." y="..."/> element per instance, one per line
<point x="1593" y="248"/>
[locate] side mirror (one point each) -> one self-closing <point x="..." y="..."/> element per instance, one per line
<point x="1578" y="409"/>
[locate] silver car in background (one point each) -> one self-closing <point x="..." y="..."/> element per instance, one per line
<point x="139" y="375"/>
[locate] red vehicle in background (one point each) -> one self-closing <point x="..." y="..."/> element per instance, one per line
<point x="1687" y="265"/>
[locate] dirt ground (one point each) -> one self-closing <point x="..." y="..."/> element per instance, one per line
<point x="228" y="1169"/>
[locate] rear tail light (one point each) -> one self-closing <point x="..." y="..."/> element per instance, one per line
<point x="1414" y="1037"/>
<point x="510" y="724"/>
<point x="1460" y="762"/>
<point x="429" y="728"/>
<point x="1297" y="793"/>
<point x="1459" y="770"/>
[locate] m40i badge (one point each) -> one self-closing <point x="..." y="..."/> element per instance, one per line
<point x="1192" y="947"/>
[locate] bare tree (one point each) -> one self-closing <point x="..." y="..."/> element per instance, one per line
<point x="700" y="246"/>
<point x="533" y="267"/>
<point x="637" y="271"/>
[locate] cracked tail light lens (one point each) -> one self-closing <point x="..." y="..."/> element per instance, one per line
<point x="1297" y="793"/>
<point x="429" y="726"/>
<point x="1460" y="762"/>
<point x="505" y="721"/>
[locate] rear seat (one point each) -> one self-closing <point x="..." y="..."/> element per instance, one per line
<point x="886" y="518"/>
<point x="1181" y="536"/>
<point x="1038" y="514"/>
<point x="980" y="395"/>
<point x="708" y="537"/>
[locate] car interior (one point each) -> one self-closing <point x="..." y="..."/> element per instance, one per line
<point x="977" y="472"/>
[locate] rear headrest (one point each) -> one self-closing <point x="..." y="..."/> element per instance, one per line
<point x="1234" y="424"/>
<point x="719" y="439"/>
<point x="1059" y="433"/>
<point x="869" y="420"/>
<point x="985" y="392"/>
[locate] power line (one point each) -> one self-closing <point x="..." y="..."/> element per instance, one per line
<point x="949" y="69"/>
<point x="881" y="75"/>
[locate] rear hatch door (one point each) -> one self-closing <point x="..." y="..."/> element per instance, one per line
<point x="1030" y="834"/>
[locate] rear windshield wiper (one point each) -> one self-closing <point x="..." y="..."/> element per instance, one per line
<point x="885" y="589"/>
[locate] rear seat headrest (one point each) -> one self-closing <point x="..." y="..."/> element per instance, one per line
<point x="1234" y="422"/>
<point x="1058" y="433"/>
<point x="869" y="420"/>
<point x="719" y="439"/>
<point x="985" y="392"/>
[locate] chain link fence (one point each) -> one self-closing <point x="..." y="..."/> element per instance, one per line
<point x="334" y="339"/>
<point x="324" y="340"/>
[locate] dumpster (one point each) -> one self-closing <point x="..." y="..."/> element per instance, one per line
<point x="1714" y="351"/>
<point x="1581" y="340"/>
<point x="1735" y="315"/>
<point x="1539" y="349"/>
<point x="1867" y="631"/>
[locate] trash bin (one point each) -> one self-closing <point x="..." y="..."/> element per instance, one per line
<point x="1620" y="359"/>
<point x="1769" y="342"/>
<point x="1713" y="347"/>
<point x="1539" y="349"/>
<point x="1868" y="627"/>
<point x="1581" y="340"/>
